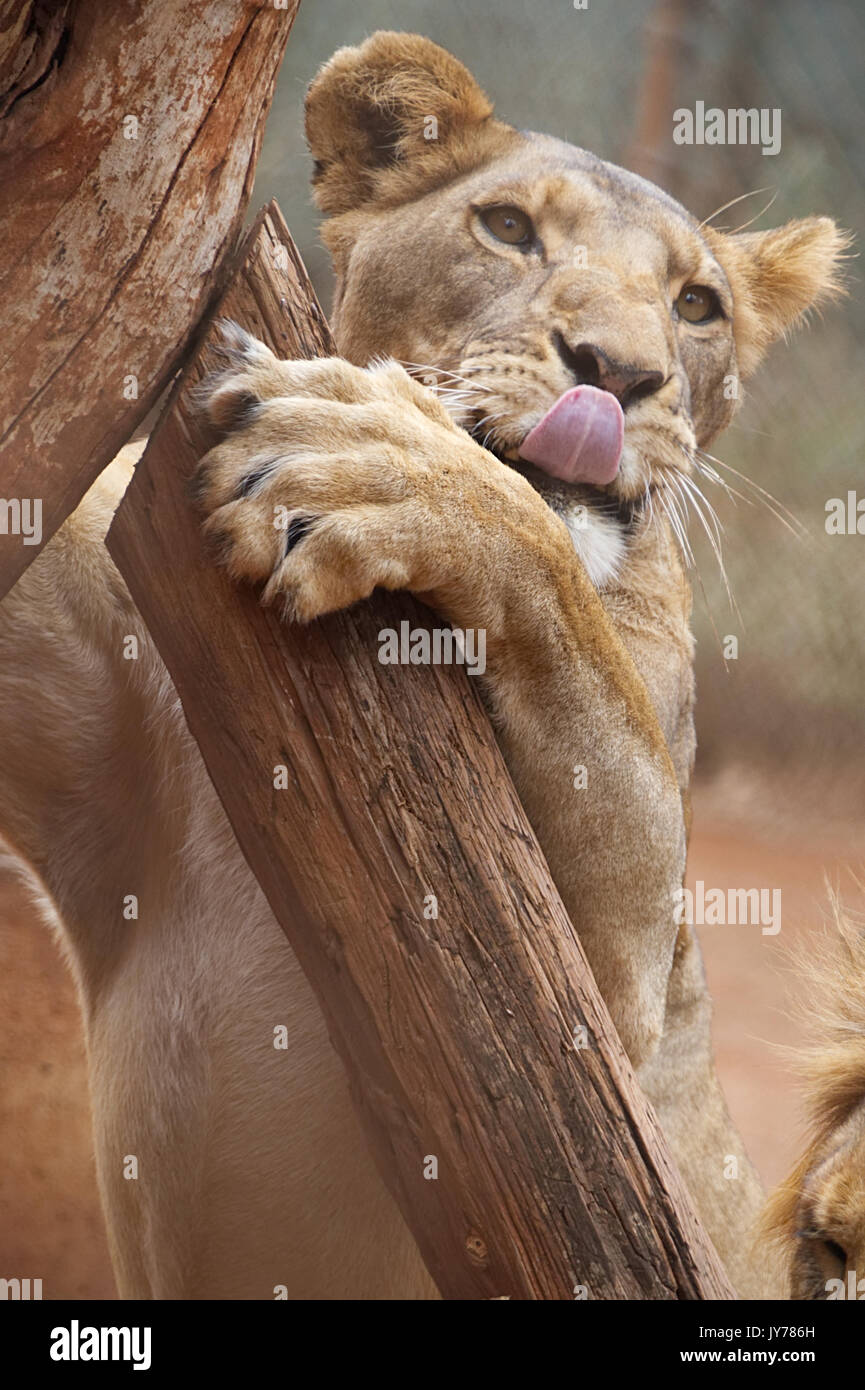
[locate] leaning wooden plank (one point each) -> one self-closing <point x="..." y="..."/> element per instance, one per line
<point x="127" y="147"/>
<point x="374" y="807"/>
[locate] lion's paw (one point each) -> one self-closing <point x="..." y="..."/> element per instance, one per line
<point x="324" y="487"/>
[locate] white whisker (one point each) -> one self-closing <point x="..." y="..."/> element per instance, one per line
<point x="732" y="203"/>
<point x="778" y="510"/>
<point x="668" y="504"/>
<point x="713" y="529"/>
<point x="684" y="513"/>
<point x="415" y="368"/>
<point x="494" y="415"/>
<point x="666" y="499"/>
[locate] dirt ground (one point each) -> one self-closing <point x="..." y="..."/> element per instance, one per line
<point x="50" y="1222"/>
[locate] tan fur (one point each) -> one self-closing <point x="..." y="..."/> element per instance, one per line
<point x="253" y="1171"/>
<point x="817" y="1217"/>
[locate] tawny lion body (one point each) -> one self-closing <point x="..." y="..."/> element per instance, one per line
<point x="252" y="1170"/>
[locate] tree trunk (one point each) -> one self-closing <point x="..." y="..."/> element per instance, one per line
<point x="494" y="1091"/>
<point x="651" y="152"/>
<point x="128" y="139"/>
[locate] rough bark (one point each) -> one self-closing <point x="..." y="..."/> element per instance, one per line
<point x="461" y="1031"/>
<point x="128" y="141"/>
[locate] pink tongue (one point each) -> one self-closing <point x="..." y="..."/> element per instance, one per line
<point x="580" y="438"/>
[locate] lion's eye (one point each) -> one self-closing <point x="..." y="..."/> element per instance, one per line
<point x="698" y="304"/>
<point x="509" y="224"/>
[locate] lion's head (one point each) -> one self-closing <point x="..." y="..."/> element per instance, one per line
<point x="509" y="268"/>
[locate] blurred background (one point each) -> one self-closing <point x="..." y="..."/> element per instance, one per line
<point x="780" y="791"/>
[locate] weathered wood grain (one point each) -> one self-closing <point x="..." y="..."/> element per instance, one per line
<point x="460" y="1032"/>
<point x="128" y="139"/>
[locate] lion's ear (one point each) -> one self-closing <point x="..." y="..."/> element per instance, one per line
<point x="393" y="112"/>
<point x="776" y="277"/>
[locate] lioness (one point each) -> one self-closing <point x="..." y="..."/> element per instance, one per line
<point x="583" y="331"/>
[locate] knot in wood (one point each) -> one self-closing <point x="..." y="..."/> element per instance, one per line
<point x="476" y="1248"/>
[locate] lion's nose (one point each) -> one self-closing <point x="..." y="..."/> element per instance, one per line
<point x="591" y="366"/>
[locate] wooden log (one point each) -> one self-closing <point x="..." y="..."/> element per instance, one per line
<point x="461" y="1032"/>
<point x="128" y="144"/>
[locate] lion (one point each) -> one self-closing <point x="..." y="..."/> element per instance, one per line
<point x="816" y="1218"/>
<point x="535" y="347"/>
